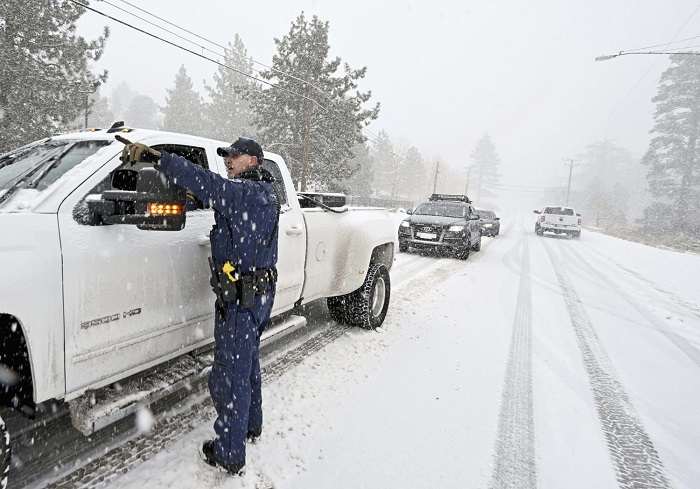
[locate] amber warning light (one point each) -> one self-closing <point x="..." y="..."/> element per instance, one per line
<point x="162" y="209"/>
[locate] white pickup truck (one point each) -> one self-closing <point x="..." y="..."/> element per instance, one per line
<point x="85" y="303"/>
<point x="558" y="220"/>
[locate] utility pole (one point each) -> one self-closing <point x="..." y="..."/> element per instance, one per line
<point x="568" y="187"/>
<point x="435" y="179"/>
<point x="466" y="186"/>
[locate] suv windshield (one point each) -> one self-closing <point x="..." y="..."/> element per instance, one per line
<point x="46" y="162"/>
<point x="559" y="211"/>
<point x="441" y="209"/>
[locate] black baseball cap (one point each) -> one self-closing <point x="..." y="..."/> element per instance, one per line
<point x="242" y="146"/>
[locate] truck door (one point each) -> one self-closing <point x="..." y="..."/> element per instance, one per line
<point x="292" y="243"/>
<point x="132" y="298"/>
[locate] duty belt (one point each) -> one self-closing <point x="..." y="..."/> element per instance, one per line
<point x="233" y="287"/>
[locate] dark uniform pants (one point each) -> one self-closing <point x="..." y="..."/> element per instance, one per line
<point x="235" y="382"/>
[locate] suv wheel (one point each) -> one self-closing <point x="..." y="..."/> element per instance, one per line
<point x="477" y="246"/>
<point x="403" y="247"/>
<point x="463" y="253"/>
<point x="5" y="454"/>
<point x="367" y="306"/>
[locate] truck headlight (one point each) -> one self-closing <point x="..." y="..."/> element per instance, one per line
<point x="456" y="229"/>
<point x="404" y="224"/>
<point x="488" y="225"/>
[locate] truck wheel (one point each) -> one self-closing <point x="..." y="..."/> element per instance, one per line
<point x="4" y="454"/>
<point x="403" y="247"/>
<point x="367" y="306"/>
<point x="538" y="231"/>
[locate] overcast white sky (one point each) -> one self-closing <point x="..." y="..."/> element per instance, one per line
<point x="446" y="72"/>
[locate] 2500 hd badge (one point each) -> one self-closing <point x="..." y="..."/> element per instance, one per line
<point x="109" y="319"/>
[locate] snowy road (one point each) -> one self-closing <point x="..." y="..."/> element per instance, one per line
<point x="539" y="362"/>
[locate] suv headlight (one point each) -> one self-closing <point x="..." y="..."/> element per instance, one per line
<point x="404" y="224"/>
<point x="456" y="229"/>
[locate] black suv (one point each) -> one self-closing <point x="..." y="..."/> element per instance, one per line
<point x="444" y="223"/>
<point x="490" y="223"/>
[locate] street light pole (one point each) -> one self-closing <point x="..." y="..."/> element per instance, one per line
<point x="606" y="57"/>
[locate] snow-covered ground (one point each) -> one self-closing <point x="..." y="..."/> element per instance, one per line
<point x="539" y="362"/>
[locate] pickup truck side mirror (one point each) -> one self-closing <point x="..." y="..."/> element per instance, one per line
<point x="409" y="211"/>
<point x="497" y="218"/>
<point x="155" y="204"/>
<point x="537" y="212"/>
<point x="579" y="215"/>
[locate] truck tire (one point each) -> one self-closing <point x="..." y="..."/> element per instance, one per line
<point x="5" y="454"/>
<point x="538" y="231"/>
<point x="367" y="306"/>
<point x="403" y="247"/>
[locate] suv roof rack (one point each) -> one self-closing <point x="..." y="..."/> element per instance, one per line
<point x="451" y="197"/>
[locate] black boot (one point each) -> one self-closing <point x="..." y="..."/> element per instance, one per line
<point x="210" y="459"/>
<point x="253" y="435"/>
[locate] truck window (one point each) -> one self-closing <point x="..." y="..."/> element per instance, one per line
<point x="559" y="211"/>
<point x="272" y="167"/>
<point x="197" y="156"/>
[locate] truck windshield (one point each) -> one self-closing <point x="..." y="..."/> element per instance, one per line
<point x="559" y="211"/>
<point x="45" y="162"/>
<point x="441" y="209"/>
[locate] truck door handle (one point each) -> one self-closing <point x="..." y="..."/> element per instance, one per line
<point x="294" y="231"/>
<point x="204" y="241"/>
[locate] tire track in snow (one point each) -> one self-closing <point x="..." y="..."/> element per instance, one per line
<point x="636" y="462"/>
<point x="690" y="307"/>
<point x="514" y="464"/>
<point x="679" y="341"/>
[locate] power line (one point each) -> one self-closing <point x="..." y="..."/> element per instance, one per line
<point x="662" y="45"/>
<point x="213" y="43"/>
<point x="174" y="44"/>
<point x="620" y="101"/>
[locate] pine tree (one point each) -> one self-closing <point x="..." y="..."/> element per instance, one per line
<point x="412" y="175"/>
<point x="183" y="111"/>
<point x="386" y="166"/>
<point x="100" y="113"/>
<point x="622" y="182"/>
<point x="142" y="113"/>
<point x="317" y="130"/>
<point x="44" y="72"/>
<point x="672" y="157"/>
<point x="486" y="163"/>
<point x="360" y="183"/>
<point x="228" y="113"/>
<point x="121" y="98"/>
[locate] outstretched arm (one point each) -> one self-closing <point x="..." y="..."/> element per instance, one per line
<point x="219" y="192"/>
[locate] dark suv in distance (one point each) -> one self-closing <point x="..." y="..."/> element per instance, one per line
<point x="444" y="223"/>
<point x="490" y="223"/>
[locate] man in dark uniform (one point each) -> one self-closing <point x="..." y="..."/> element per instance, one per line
<point x="244" y="256"/>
